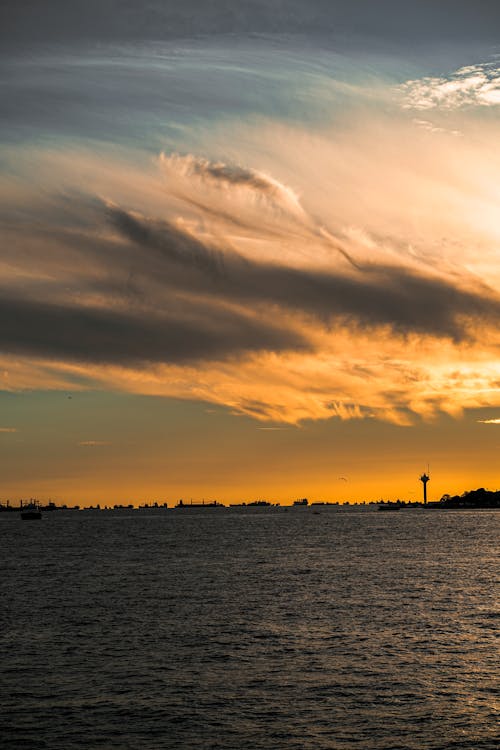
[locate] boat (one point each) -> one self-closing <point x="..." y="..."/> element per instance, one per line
<point x="31" y="511"/>
<point x="203" y="504"/>
<point x="252" y="504"/>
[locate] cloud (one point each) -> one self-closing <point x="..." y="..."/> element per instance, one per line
<point x="196" y="306"/>
<point x="8" y="429"/>
<point x="272" y="429"/>
<point x="232" y="176"/>
<point x="93" y="443"/>
<point x="472" y="85"/>
<point x="169" y="241"/>
<point x="337" y="263"/>
<point x="251" y="200"/>
<point x="110" y="335"/>
<point x="489" y="421"/>
<point x="432" y="128"/>
<point x="379" y="295"/>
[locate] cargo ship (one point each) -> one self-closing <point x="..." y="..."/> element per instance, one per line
<point x="203" y="504"/>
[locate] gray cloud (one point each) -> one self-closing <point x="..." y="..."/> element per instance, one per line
<point x="111" y="336"/>
<point x="233" y="175"/>
<point x="169" y="241"/>
<point x="237" y="176"/>
<point x="376" y="296"/>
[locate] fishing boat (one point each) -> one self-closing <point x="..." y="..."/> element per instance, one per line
<point x="31" y="511"/>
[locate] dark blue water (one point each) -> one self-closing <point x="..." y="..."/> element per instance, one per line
<point x="240" y="629"/>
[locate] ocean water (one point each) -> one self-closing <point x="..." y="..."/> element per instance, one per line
<point x="250" y="629"/>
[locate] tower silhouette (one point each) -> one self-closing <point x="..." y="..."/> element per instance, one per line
<point x="424" y="479"/>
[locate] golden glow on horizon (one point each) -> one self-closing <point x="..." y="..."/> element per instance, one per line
<point x="132" y="449"/>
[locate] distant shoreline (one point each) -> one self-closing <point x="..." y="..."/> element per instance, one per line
<point x="474" y="501"/>
<point x="471" y="500"/>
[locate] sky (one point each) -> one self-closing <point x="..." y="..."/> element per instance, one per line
<point x="249" y="250"/>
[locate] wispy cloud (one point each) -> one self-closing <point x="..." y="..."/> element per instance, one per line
<point x="235" y="177"/>
<point x="489" y="421"/>
<point x="272" y="429"/>
<point x="8" y="429"/>
<point x="93" y="443"/>
<point x="432" y="128"/>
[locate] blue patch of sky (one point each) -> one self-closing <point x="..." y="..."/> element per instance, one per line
<point x="159" y="96"/>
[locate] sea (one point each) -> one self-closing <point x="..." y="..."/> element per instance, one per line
<point x="250" y="629"/>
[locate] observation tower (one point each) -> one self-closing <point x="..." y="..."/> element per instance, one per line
<point x="424" y="479"/>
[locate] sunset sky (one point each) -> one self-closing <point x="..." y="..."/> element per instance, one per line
<point x="249" y="249"/>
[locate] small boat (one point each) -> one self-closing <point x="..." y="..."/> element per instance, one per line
<point x="31" y="511"/>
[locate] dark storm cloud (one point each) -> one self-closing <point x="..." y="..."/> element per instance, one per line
<point x="25" y="20"/>
<point x="99" y="335"/>
<point x="398" y="297"/>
